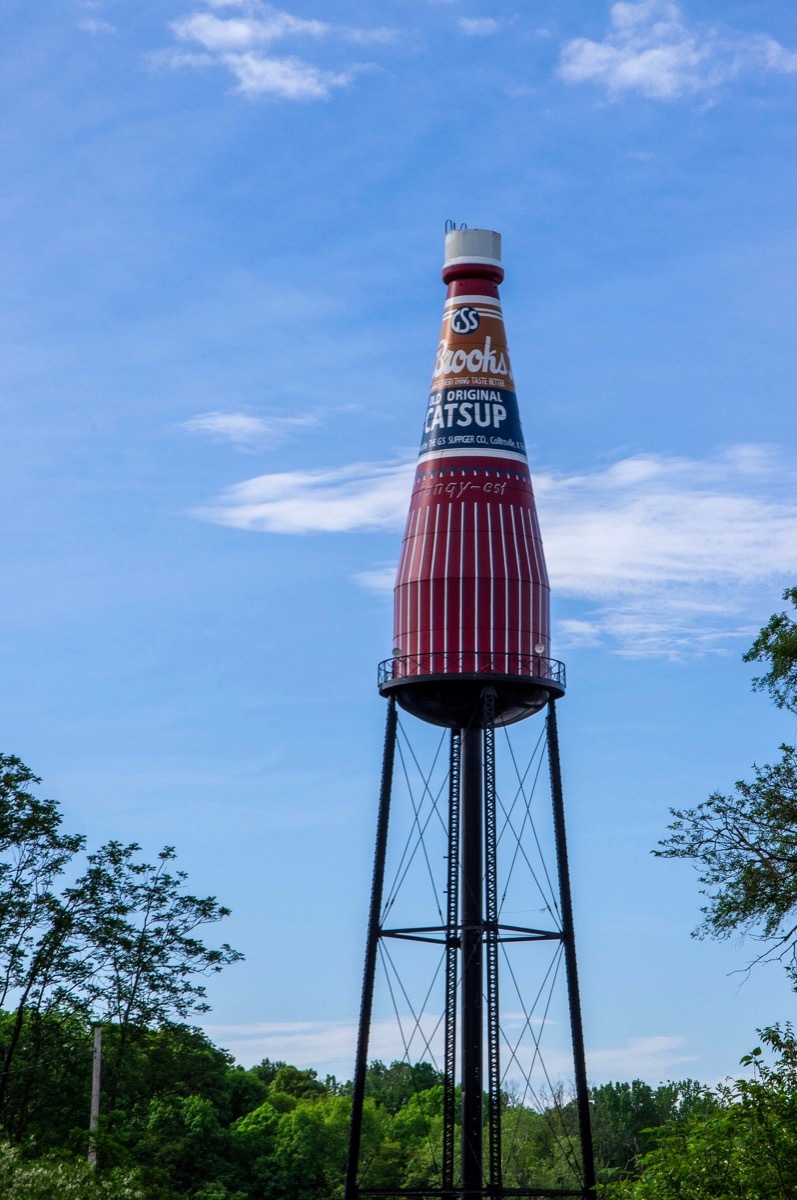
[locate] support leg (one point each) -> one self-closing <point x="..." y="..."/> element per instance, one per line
<point x="491" y="944"/>
<point x="452" y="967"/>
<point x="472" y="889"/>
<point x="579" y="1063"/>
<point x="358" y="1087"/>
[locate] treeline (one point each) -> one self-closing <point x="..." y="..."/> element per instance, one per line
<point x="180" y="1119"/>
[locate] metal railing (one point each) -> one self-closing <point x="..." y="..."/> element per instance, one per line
<point x="469" y="662"/>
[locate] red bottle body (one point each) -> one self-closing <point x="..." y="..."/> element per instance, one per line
<point x="472" y="590"/>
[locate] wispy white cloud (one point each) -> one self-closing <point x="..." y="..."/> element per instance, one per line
<point x="669" y="555"/>
<point x="650" y="48"/>
<point x="239" y="35"/>
<point x="650" y="517"/>
<point x="378" y="579"/>
<point x="289" y="78"/>
<point x="97" y="25"/>
<point x="652" y="1058"/>
<point x="673" y="556"/>
<point x="244" y="430"/>
<point x="362" y="496"/>
<point x="175" y="60"/>
<point x="243" y="33"/>
<point x="328" y="1046"/>
<point x="479" y="26"/>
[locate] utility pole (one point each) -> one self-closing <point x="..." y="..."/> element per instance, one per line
<point x="96" y="1079"/>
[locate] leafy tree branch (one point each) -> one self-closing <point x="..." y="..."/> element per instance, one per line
<point x="776" y="644"/>
<point x="744" y="845"/>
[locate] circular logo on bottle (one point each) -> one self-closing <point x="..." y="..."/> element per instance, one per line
<point x="464" y="320"/>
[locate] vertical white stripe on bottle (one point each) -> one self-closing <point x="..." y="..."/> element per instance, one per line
<point x="519" y="576"/>
<point x="445" y="589"/>
<point x="432" y="586"/>
<point x="489" y="515"/>
<point x="476" y="584"/>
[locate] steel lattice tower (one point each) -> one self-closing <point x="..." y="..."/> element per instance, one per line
<point x="472" y="655"/>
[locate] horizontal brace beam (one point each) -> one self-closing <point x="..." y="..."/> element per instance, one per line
<point x="400" y="936"/>
<point x="486" y="926"/>
<point x="554" y="933"/>
<point x="543" y="1192"/>
<point x="452" y="1193"/>
<point x="533" y="937"/>
<point x="408" y="935"/>
<point x="414" y="929"/>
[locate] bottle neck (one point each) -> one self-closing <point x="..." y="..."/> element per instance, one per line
<point x="455" y="272"/>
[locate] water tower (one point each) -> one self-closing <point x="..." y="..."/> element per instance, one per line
<point x="471" y="655"/>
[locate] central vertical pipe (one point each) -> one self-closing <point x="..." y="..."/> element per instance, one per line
<point x="472" y="893"/>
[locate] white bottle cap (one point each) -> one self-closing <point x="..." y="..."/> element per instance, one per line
<point x="473" y="246"/>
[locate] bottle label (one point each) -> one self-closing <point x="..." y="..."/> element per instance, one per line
<point x="472" y="403"/>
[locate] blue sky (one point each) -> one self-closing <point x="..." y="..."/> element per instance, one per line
<point x="220" y="303"/>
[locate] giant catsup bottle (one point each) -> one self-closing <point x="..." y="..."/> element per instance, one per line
<point x="472" y="594"/>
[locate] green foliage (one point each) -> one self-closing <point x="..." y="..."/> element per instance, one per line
<point x="49" y="1084"/>
<point x="51" y="1179"/>
<point x="777" y="645"/>
<point x="184" y="1145"/>
<point x="120" y="945"/>
<point x="190" y="1125"/>
<point x="625" y="1117"/>
<point x="391" y="1087"/>
<point x="266" y="1070"/>
<point x="252" y="1141"/>
<point x="417" y="1129"/>
<point x="245" y="1091"/>
<point x="745" y="844"/>
<point x="294" y="1082"/>
<point x="745" y="847"/>
<point x="744" y="1146"/>
<point x="539" y="1148"/>
<point x="41" y="966"/>
<point x="138" y="926"/>
<point x="310" y="1150"/>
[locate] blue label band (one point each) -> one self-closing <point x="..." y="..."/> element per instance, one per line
<point x="481" y="417"/>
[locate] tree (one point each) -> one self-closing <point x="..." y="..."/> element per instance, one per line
<point x="136" y="927"/>
<point x="119" y="945"/>
<point x="55" y="1179"/>
<point x="310" y="1149"/>
<point x="777" y="645"/>
<point x="292" y="1081"/>
<point x="393" y="1086"/>
<point x="37" y="965"/>
<point x="184" y="1145"/>
<point x="625" y="1117"/>
<point x="745" y="844"/>
<point x="138" y="924"/>
<point x="744" y="1145"/>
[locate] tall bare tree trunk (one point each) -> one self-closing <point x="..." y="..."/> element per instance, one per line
<point x="96" y="1079"/>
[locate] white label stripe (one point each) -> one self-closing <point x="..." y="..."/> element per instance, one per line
<point x="455" y="301"/>
<point x="475" y="452"/>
